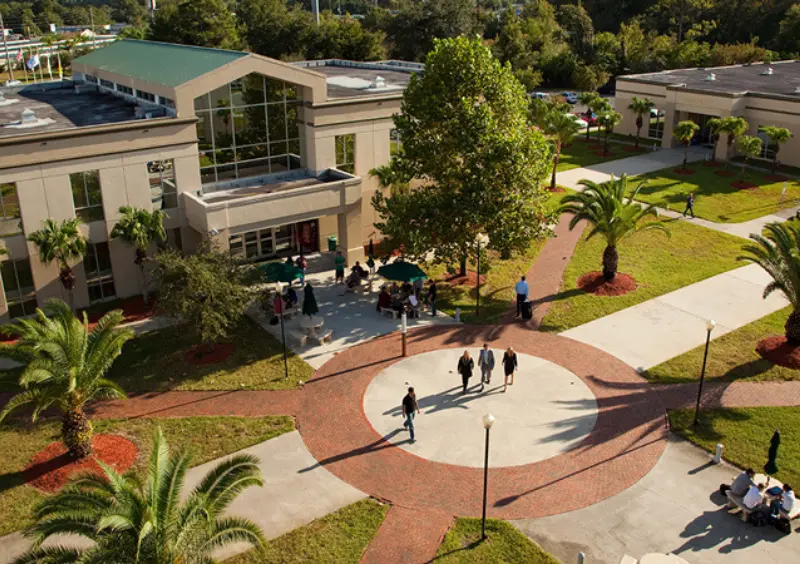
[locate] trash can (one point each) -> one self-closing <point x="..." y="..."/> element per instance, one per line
<point x="527" y="310"/>
<point x="332" y="243"/>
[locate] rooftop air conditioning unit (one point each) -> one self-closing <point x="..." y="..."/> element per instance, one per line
<point x="768" y="72"/>
<point x="711" y="76"/>
<point x="379" y="82"/>
<point x="28" y="116"/>
<point x="797" y="90"/>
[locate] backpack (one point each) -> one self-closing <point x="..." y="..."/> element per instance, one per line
<point x="758" y="519"/>
<point x="783" y="525"/>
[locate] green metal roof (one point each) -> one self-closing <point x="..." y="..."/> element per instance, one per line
<point x="160" y="63"/>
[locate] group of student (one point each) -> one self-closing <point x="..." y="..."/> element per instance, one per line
<point x="407" y="297"/>
<point x="765" y="505"/>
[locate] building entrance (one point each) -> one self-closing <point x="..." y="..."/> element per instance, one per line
<point x="275" y="242"/>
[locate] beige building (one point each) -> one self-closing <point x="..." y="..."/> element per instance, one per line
<point x="268" y="158"/>
<point x="763" y="94"/>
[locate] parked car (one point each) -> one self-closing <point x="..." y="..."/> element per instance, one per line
<point x="539" y="95"/>
<point x="579" y="120"/>
<point x="570" y="97"/>
<point x="591" y="119"/>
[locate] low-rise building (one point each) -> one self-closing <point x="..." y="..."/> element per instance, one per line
<point x="762" y="93"/>
<point x="268" y="158"/>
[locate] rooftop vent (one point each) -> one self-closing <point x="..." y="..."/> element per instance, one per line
<point x="797" y="90"/>
<point x="768" y="72"/>
<point x="711" y="76"/>
<point x="28" y="117"/>
<point x="379" y="82"/>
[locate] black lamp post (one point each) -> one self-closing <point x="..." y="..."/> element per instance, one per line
<point x="710" y="324"/>
<point x="480" y="239"/>
<point x="488" y="421"/>
<point x="280" y="307"/>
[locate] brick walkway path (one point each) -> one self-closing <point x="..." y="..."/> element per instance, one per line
<point x="408" y="536"/>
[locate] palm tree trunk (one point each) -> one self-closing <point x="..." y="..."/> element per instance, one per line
<point x="76" y="432"/>
<point x="744" y="168"/>
<point x="605" y="145"/>
<point x="610" y="262"/>
<point x="685" y="155"/>
<point x="792" y="328"/>
<point x="553" y="177"/>
<point x="462" y="266"/>
<point x="588" y="124"/>
<point x="714" y="150"/>
<point x="638" y="133"/>
<point x="775" y="162"/>
<point x="143" y="282"/>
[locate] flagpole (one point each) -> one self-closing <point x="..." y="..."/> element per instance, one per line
<point x="24" y="65"/>
<point x="5" y="44"/>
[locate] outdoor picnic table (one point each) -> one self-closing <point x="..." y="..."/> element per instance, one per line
<point x="310" y="325"/>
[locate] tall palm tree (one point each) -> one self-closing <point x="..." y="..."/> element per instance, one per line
<point x="640" y="107"/>
<point x="64" y="367"/>
<point x="134" y="522"/>
<point x="61" y="242"/>
<point x="591" y="100"/>
<point x="777" y="135"/>
<point x="140" y="229"/>
<point x="733" y="127"/>
<point x="608" y="120"/>
<point x="715" y="129"/>
<point x="684" y="132"/>
<point x="561" y="128"/>
<point x="750" y="147"/>
<point x="777" y="251"/>
<point x="605" y="207"/>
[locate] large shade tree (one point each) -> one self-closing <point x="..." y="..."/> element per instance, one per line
<point x="611" y="214"/>
<point x="140" y="229"/>
<point x="640" y="107"/>
<point x="61" y="242"/>
<point x="64" y="367"/>
<point x="475" y="162"/>
<point x="778" y="136"/>
<point x="132" y="522"/>
<point x="777" y="251"/>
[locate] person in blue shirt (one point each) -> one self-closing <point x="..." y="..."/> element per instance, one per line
<point x="521" y="288"/>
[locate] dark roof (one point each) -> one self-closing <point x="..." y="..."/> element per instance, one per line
<point x="161" y="63"/>
<point x="348" y="79"/>
<point x="732" y="80"/>
<point x="60" y="108"/>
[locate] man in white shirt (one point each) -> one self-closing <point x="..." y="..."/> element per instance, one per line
<point x="785" y="501"/>
<point x="754" y="496"/>
<point x="521" y="288"/>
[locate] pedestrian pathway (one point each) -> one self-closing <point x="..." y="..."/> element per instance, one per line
<point x="408" y="536"/>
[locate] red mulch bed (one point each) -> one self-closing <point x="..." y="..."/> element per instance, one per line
<point x="471" y="279"/>
<point x="778" y="351"/>
<point x="594" y="283"/>
<point x="712" y="164"/>
<point x="684" y="171"/>
<point x="744" y="185"/>
<point x="632" y="149"/>
<point x="51" y="468"/>
<point x="556" y="190"/>
<point x="775" y="178"/>
<point x="133" y="309"/>
<point x="604" y="154"/>
<point x="724" y="173"/>
<point x="203" y="354"/>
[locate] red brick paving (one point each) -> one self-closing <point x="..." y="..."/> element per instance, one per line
<point x="547" y="271"/>
<point x="408" y="536"/>
<point x="628" y="438"/>
<point x="730" y="394"/>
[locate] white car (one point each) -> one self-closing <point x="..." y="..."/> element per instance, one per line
<point x="580" y="121"/>
<point x="570" y="97"/>
<point x="539" y="95"/>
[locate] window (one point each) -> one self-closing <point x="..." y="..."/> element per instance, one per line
<point x="655" y="128"/>
<point x="106" y="83"/>
<point x="346" y="153"/>
<point x="10" y="223"/>
<point x="99" y="277"/>
<point x="767" y="146"/>
<point x="92" y="79"/>
<point x="18" y="285"/>
<point x="86" y="195"/>
<point x="166" y="102"/>
<point x="163" y="190"/>
<point x="125" y="89"/>
<point x="146" y="96"/>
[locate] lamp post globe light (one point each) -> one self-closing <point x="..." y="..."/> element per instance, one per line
<point x="488" y="421"/>
<point x="710" y="324"/>
<point x="481" y="240"/>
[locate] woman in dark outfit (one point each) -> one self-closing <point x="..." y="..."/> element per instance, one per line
<point x="465" y="366"/>
<point x="509" y="366"/>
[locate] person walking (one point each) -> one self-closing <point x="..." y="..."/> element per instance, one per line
<point x="431" y="297"/>
<point x="302" y="264"/>
<point x="339" y="263"/>
<point x="521" y="288"/>
<point x="509" y="366"/>
<point x="465" y="366"/>
<point x="410" y="408"/>
<point x="486" y="363"/>
<point x="689" y="205"/>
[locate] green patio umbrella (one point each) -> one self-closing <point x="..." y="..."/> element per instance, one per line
<point x="771" y="467"/>
<point x="279" y="272"/>
<point x="402" y="271"/>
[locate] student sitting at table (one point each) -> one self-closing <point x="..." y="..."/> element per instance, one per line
<point x="384" y="299"/>
<point x="784" y="501"/>
<point x="395" y="289"/>
<point x="353" y="280"/>
<point x="406" y="288"/>
<point x="290" y="297"/>
<point x="413" y="306"/>
<point x="358" y="269"/>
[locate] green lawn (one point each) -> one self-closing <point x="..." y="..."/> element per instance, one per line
<point x="581" y="154"/>
<point x="731" y="357"/>
<point x="715" y="198"/>
<point x="207" y="437"/>
<point x="156" y="361"/>
<point x="340" y="537"/>
<point x="504" y="543"/>
<point x="746" y="432"/>
<point x="658" y="264"/>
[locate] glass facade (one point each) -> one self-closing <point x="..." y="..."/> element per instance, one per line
<point x="346" y="153"/>
<point x="18" y="286"/>
<point x="270" y="242"/>
<point x="99" y="277"/>
<point x="248" y="128"/>
<point x="10" y="223"/>
<point x="86" y="195"/>
<point x="163" y="189"/>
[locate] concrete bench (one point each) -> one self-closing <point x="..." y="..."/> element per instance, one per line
<point x="301" y="338"/>
<point x="325" y="337"/>
<point x="734" y="501"/>
<point x="393" y="313"/>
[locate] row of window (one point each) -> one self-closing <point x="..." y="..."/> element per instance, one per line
<point x="127" y="90"/>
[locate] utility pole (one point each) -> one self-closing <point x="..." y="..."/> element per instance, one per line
<point x="5" y="45"/>
<point x="91" y="22"/>
<point x="315" y="9"/>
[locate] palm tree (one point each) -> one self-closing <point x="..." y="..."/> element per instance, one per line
<point x="590" y="100"/>
<point x="749" y="147"/>
<point x="605" y="208"/>
<point x="133" y="522"/>
<point x="684" y="132"/>
<point x="608" y="120"/>
<point x="64" y="367"/>
<point x="778" y="252"/>
<point x="61" y="242"/>
<point x="715" y="129"/>
<point x="140" y="228"/>
<point x="561" y="128"/>
<point x="733" y="127"/>
<point x="640" y="107"/>
<point x="777" y="135"/>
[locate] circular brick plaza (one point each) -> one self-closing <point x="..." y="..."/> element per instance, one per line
<point x="626" y="440"/>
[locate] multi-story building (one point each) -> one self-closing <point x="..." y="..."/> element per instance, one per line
<point x="762" y="93"/>
<point x="268" y="158"/>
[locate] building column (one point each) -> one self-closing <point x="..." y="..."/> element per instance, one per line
<point x="671" y="118"/>
<point x="350" y="231"/>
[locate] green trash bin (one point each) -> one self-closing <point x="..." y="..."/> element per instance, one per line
<point x="332" y="243"/>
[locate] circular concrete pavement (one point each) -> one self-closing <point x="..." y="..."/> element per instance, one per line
<point x="547" y="411"/>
